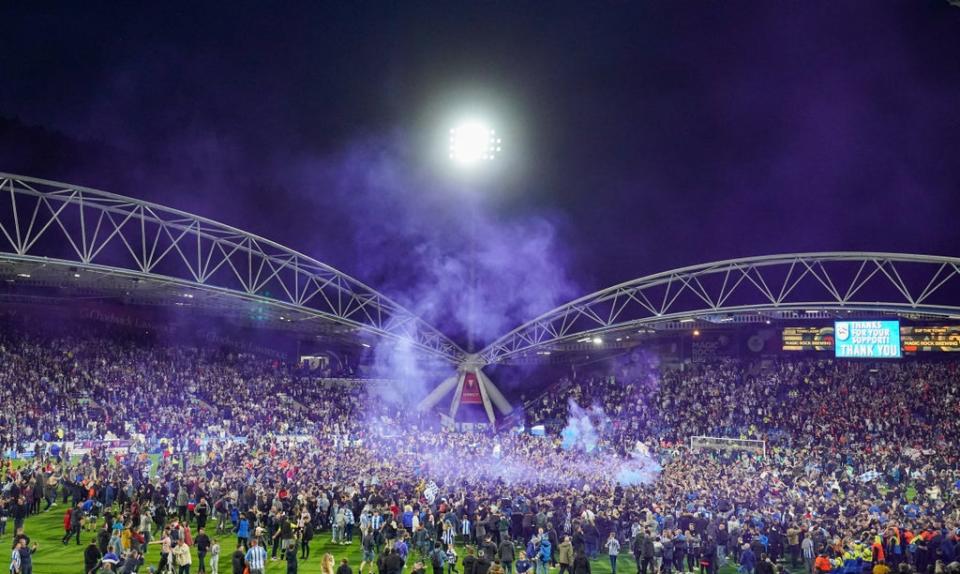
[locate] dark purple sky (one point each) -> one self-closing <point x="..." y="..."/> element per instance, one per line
<point x="641" y="136"/>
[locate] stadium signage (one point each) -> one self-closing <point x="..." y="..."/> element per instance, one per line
<point x="913" y="339"/>
<point x="867" y="339"/>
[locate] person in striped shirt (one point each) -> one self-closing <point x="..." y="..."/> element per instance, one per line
<point x="448" y="535"/>
<point x="15" y="558"/>
<point x="256" y="557"/>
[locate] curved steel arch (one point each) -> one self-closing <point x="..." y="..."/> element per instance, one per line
<point x="890" y="283"/>
<point x="59" y="223"/>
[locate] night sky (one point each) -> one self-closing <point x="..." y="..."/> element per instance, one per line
<point x="639" y="136"/>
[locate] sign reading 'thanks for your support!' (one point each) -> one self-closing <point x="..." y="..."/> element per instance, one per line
<point x="867" y="339"/>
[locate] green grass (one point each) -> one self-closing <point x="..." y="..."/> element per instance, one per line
<point x="52" y="557"/>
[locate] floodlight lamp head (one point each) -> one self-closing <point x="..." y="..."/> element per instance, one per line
<point x="473" y="143"/>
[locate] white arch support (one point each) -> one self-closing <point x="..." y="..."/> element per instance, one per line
<point x="58" y="224"/>
<point x="879" y="283"/>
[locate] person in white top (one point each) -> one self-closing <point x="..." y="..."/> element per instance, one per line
<point x="214" y="556"/>
<point x="182" y="558"/>
<point x="613" y="550"/>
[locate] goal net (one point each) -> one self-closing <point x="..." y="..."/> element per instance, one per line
<point x="729" y="444"/>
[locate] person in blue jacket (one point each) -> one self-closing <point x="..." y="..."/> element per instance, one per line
<point x="543" y="555"/>
<point x="243" y="531"/>
<point x="748" y="561"/>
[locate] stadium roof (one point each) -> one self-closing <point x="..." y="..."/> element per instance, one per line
<point x="61" y="240"/>
<point x="59" y="234"/>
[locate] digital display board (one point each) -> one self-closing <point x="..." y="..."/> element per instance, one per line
<point x="913" y="339"/>
<point x="808" y="338"/>
<point x="944" y="338"/>
<point x="867" y="339"/>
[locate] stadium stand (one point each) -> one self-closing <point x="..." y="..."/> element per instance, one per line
<point x="860" y="470"/>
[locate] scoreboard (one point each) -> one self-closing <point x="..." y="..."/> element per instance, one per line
<point x="867" y="339"/>
<point x="913" y="338"/>
<point x="945" y="338"/>
<point x="808" y="338"/>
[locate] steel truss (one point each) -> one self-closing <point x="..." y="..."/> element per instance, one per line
<point x="62" y="224"/>
<point x="58" y="224"/>
<point x="882" y="283"/>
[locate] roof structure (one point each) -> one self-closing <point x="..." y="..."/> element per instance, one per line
<point x="59" y="233"/>
<point x="62" y="235"/>
<point x="752" y="289"/>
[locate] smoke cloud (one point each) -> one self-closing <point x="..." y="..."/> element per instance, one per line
<point x="584" y="433"/>
<point x="425" y="240"/>
<point x="461" y="260"/>
<point x="584" y="427"/>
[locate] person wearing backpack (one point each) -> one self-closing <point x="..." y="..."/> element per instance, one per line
<point x="469" y="561"/>
<point x="437" y="559"/>
<point x="506" y="553"/>
<point x="238" y="561"/>
<point x="482" y="564"/>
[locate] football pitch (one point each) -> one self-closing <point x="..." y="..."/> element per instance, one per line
<point x="53" y="557"/>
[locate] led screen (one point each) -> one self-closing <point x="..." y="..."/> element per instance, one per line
<point x="867" y="339"/>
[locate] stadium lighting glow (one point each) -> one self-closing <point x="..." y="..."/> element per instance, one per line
<point x="597" y="341"/>
<point x="473" y="142"/>
<point x="686" y="320"/>
<point x="696" y="332"/>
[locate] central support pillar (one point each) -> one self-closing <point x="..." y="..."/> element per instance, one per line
<point x="470" y="385"/>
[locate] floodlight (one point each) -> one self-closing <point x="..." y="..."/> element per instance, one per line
<point x="473" y="142"/>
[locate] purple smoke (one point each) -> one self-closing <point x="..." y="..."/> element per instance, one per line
<point x="584" y="427"/>
<point x="416" y="235"/>
<point x="423" y="241"/>
<point x="584" y="433"/>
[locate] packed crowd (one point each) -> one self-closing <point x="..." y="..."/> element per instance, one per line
<point x="861" y="471"/>
<point x="68" y="389"/>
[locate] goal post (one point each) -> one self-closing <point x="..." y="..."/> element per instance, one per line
<point x="729" y="444"/>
